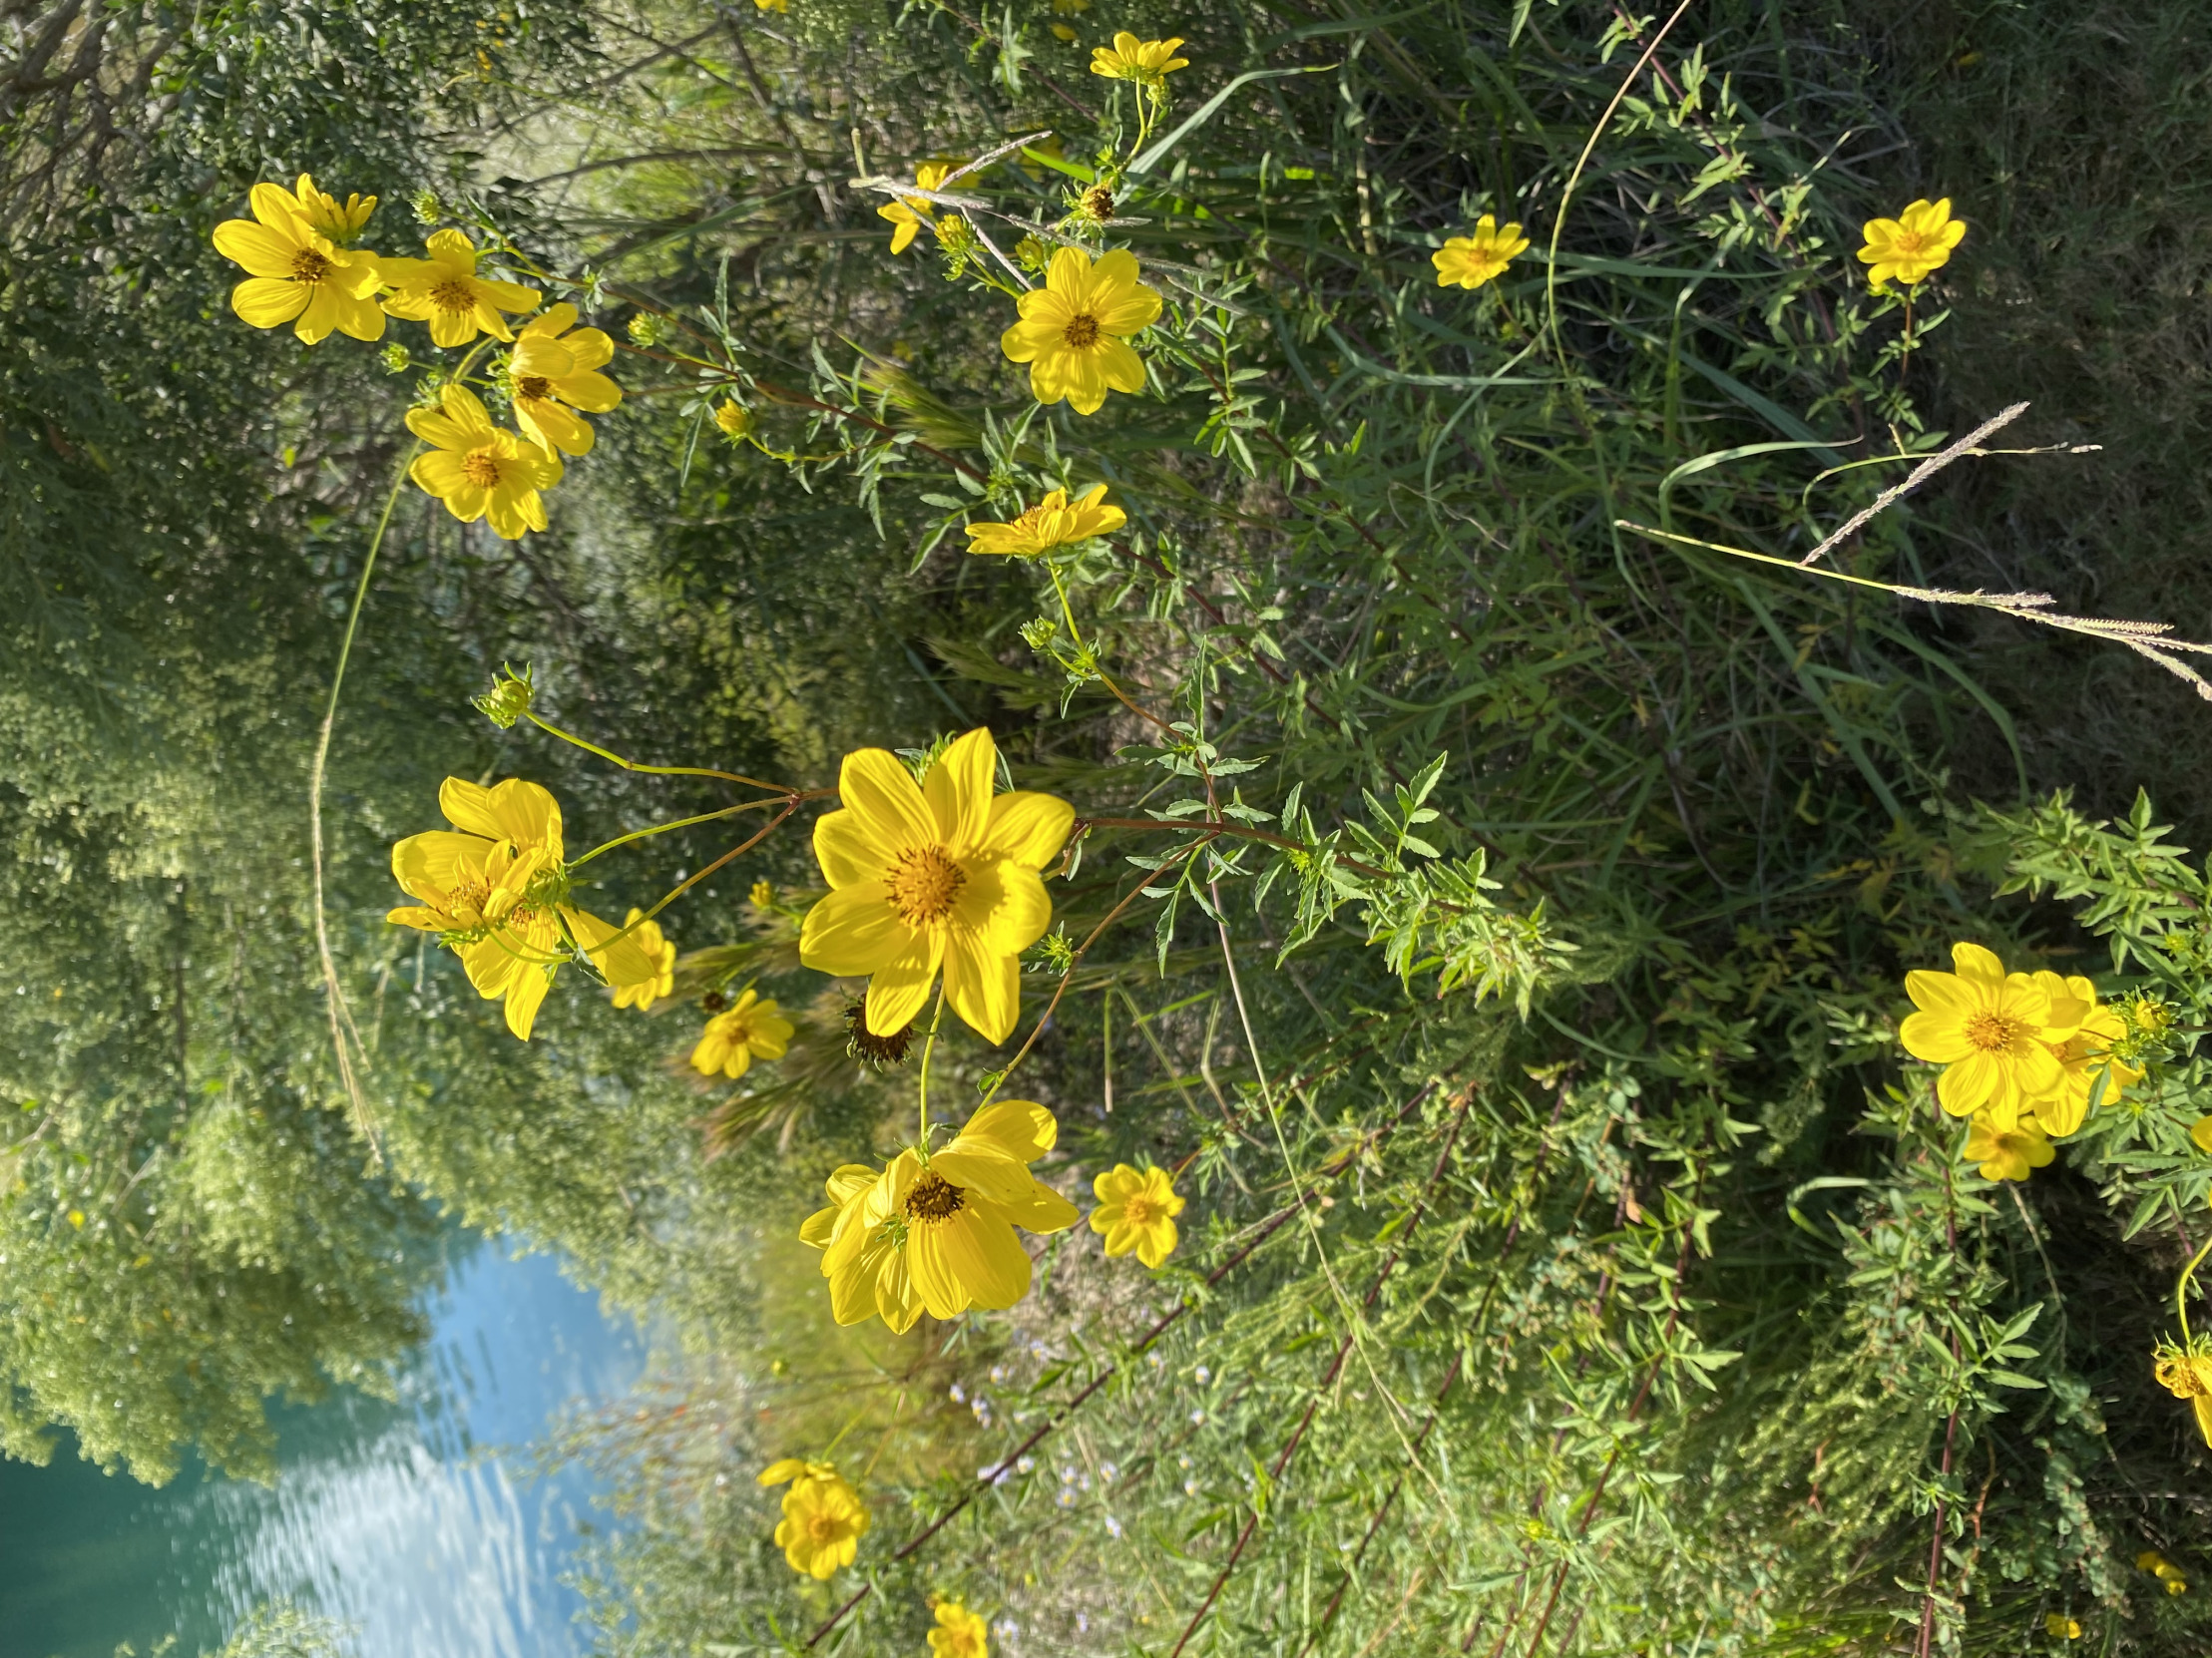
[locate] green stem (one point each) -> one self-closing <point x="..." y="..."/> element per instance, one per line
<point x="929" y="1043"/>
<point x="2181" y="1289"/>
<point x="680" y="823"/>
<point x="613" y="758"/>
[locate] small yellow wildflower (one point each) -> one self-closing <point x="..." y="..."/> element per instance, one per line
<point x="1984" y="1027"/>
<point x="1137" y="1210"/>
<point x="550" y="368"/>
<point x="1146" y="62"/>
<point x="297" y="274"/>
<point x="762" y="896"/>
<point x="2061" y="1627"/>
<point x="823" y="1517"/>
<point x="2007" y="1150"/>
<point x="1060" y="31"/>
<point x="639" y="966"/>
<point x="472" y="885"/>
<point x="445" y="292"/>
<point x="1469" y="262"/>
<point x="1074" y="330"/>
<point x="960" y="1633"/>
<point x="325" y="215"/>
<point x="750" y="1028"/>
<point x="478" y="470"/>
<point x="911" y="213"/>
<point x="938" y="1237"/>
<point x="1909" y="247"/>
<point x="1052" y="522"/>
<point x="735" y="419"/>
<point x="2200" y="1134"/>
<point x="939" y="875"/>
<point x="771" y="5"/>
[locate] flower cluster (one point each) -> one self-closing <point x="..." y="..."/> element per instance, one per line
<point x="2024" y="1055"/>
<point x="301" y="270"/>
<point x="494" y="887"/>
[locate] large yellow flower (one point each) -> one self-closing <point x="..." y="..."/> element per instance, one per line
<point x="1137" y="1210"/>
<point x="1986" y="1029"/>
<point x="473" y="887"/>
<point x="1909" y="247"/>
<point x="2188" y="1375"/>
<point x="445" y="292"/>
<point x="550" y="368"/>
<point x="1052" y="522"/>
<point x="1074" y="330"/>
<point x="478" y="470"/>
<point x="748" y="1029"/>
<point x="297" y="274"/>
<point x="1146" y="62"/>
<point x="938" y="1236"/>
<point x="2007" y="1149"/>
<point x="941" y="875"/>
<point x="2081" y="1036"/>
<point x="823" y="1517"/>
<point x="1469" y="262"/>
<point x="911" y="213"/>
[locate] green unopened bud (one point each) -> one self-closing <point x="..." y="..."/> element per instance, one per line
<point x="428" y="208"/>
<point x="1040" y="632"/>
<point x="648" y="328"/>
<point x="1033" y="254"/>
<point x="509" y="699"/>
<point x="397" y="358"/>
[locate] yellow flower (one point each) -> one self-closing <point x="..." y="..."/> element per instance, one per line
<point x="2081" y="1036"/>
<point x="1146" y="62"/>
<point x="1986" y="1029"/>
<point x="2200" y="1134"/>
<point x="823" y="1517"/>
<point x="942" y="875"/>
<point x="2007" y="1150"/>
<point x="960" y="1633"/>
<point x="1482" y="258"/>
<point x="1071" y="332"/>
<point x="548" y="370"/>
<point x="2057" y="1624"/>
<point x="639" y="966"/>
<point x="771" y="5"/>
<point x="748" y="1029"/>
<point x="1070" y="8"/>
<point x="297" y="274"/>
<point x="1052" y="522"/>
<point x="478" y="470"/>
<point x="323" y="213"/>
<point x="938" y="1237"/>
<point x="734" y="418"/>
<point x="445" y="292"/>
<point x="473" y="886"/>
<point x="1909" y="247"/>
<point x="1060" y="31"/>
<point x="2187" y="1376"/>
<point x="1137" y="1210"/>
<point x="911" y="213"/>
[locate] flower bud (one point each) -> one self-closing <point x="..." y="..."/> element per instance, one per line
<point x="508" y="699"/>
<point x="735" y="419"/>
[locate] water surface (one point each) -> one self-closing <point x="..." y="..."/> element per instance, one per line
<point x="404" y="1519"/>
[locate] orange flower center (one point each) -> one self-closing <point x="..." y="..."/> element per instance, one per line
<point x="1082" y="332"/>
<point x="454" y="297"/>
<point x="1991" y="1033"/>
<point x="825" y="1527"/>
<point x="309" y="267"/>
<point x="1139" y="1211"/>
<point x="534" y="387"/>
<point x="933" y="1198"/>
<point x="1911" y="244"/>
<point x="924" y="884"/>
<point x="481" y="468"/>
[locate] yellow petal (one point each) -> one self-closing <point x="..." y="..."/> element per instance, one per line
<point x="846" y="852"/>
<point x="267" y="304"/>
<point x="1029" y="828"/>
<point x="958" y="788"/>
<point x="984" y="987"/>
<point x="900" y="987"/>
<point x="875" y="784"/>
<point x="853" y="932"/>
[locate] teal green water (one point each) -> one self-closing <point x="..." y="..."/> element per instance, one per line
<point x="417" y="1522"/>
